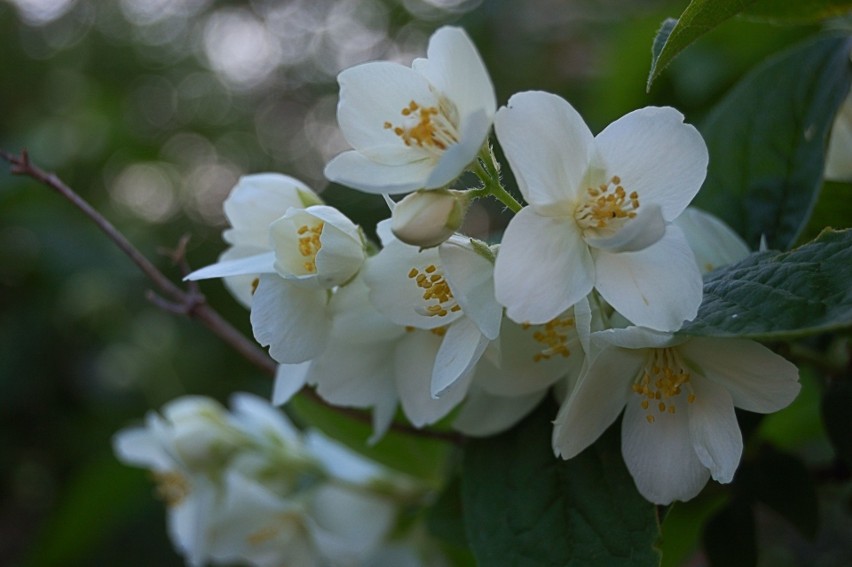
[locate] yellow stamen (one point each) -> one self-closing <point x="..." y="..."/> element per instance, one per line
<point x="663" y="380"/>
<point x="435" y="289"/>
<point x="309" y="244"/>
<point x="553" y="335"/>
<point x="607" y="207"/>
<point x="432" y="128"/>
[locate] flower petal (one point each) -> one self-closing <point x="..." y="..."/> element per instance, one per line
<point x="289" y="379"/>
<point x="640" y="232"/>
<point x="549" y="148"/>
<point x="471" y="277"/>
<point x="596" y="401"/>
<point x="485" y="414"/>
<point x="355" y="170"/>
<point x="455" y="159"/>
<point x="373" y="94"/>
<point x="758" y="379"/>
<point x="460" y="350"/>
<point x="257" y="264"/>
<point x="543" y="267"/>
<point x="413" y="361"/>
<point x="714" y="430"/>
<point x="454" y="67"/>
<point x="352" y="374"/>
<point x="713" y="243"/>
<point x="657" y="155"/>
<point x="659" y="287"/>
<point x="291" y="320"/>
<point x="660" y="455"/>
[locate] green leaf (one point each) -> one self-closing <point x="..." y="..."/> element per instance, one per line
<point x="797" y="11"/>
<point x="767" y="141"/>
<point x="698" y="18"/>
<point x="525" y="507"/>
<point x="780" y="295"/>
<point x="836" y="416"/>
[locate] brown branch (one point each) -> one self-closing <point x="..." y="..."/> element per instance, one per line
<point x="188" y="302"/>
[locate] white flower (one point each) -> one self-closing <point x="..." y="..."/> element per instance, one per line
<point x="713" y="243"/>
<point x="838" y="160"/>
<point x="183" y="449"/>
<point x="678" y="395"/>
<point x="253" y="204"/>
<point x="599" y="212"/>
<point x="312" y="250"/>
<point x="449" y="291"/>
<point x="417" y="127"/>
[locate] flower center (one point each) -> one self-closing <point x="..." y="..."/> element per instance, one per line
<point x="607" y="206"/>
<point x="436" y="292"/>
<point x="662" y="380"/>
<point x="431" y="128"/>
<point x="553" y="336"/>
<point x="172" y="487"/>
<point x="309" y="244"/>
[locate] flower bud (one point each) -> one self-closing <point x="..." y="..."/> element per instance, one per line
<point x="428" y="218"/>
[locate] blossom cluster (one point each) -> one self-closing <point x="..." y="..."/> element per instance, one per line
<point x="582" y="296"/>
<point x="247" y="487"/>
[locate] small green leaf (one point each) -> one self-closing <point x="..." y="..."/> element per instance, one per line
<point x="698" y="18"/>
<point x="836" y="403"/>
<point x="729" y="537"/>
<point x="780" y="295"/>
<point x="797" y="11"/>
<point x="767" y="141"/>
<point x="526" y="508"/>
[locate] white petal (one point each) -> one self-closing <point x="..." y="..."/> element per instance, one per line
<point x="635" y="338"/>
<point x="372" y="94"/>
<point x="659" y="287"/>
<point x="257" y="200"/>
<point x="471" y="277"/>
<point x="383" y="414"/>
<point x="396" y="295"/>
<point x="242" y="287"/>
<point x="713" y="243"/>
<point x="355" y="320"/>
<point x="838" y="159"/>
<point x="348" y="524"/>
<point x="341" y="462"/>
<point x="640" y="232"/>
<point x="259" y="417"/>
<point x="657" y="155"/>
<point x="596" y="400"/>
<point x="414" y="358"/>
<point x="714" y="430"/>
<point x="355" y="170"/>
<point x="543" y="267"/>
<point x="454" y="67"/>
<point x="353" y="374"/>
<point x="455" y="159"/>
<point x="758" y="379"/>
<point x="289" y="379"/>
<point x="485" y="414"/>
<point x="660" y="455"/>
<point x="141" y="447"/>
<point x="460" y="350"/>
<point x="549" y="148"/>
<point x="291" y="320"/>
<point x="258" y="264"/>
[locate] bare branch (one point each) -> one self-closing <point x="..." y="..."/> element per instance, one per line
<point x="189" y="302"/>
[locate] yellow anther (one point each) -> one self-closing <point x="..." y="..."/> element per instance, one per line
<point x="432" y="128"/>
<point x="435" y="288"/>
<point x="254" y="283"/>
<point x="172" y="487"/>
<point x="650" y="418"/>
<point x="607" y="204"/>
<point x="309" y="244"/>
<point x="553" y="336"/>
<point x="664" y="379"/>
<point x="412" y="273"/>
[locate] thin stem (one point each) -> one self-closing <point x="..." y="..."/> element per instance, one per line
<point x="489" y="174"/>
<point x="190" y="302"/>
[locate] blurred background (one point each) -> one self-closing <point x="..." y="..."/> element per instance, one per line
<point x="151" y="109"/>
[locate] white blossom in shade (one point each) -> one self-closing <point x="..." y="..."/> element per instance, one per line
<point x="448" y="291"/>
<point x="312" y="250"/>
<point x="713" y="243"/>
<point x="183" y="449"/>
<point x="371" y="362"/>
<point x="678" y="395"/>
<point x="600" y="212"/>
<point x="418" y="127"/>
<point x="838" y="160"/>
<point x="253" y="204"/>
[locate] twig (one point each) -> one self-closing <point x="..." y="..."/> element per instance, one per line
<point x="188" y="302"/>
